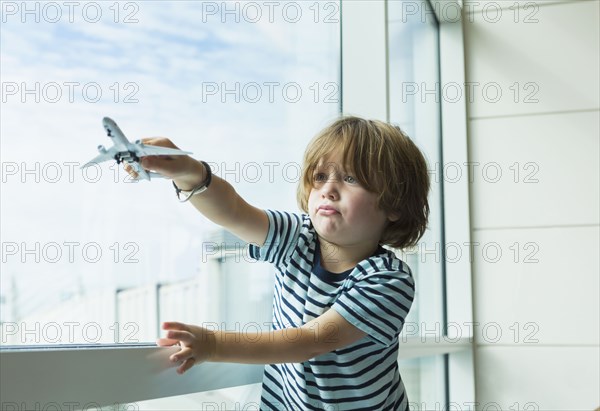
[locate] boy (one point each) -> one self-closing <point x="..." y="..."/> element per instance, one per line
<point x="340" y="298"/>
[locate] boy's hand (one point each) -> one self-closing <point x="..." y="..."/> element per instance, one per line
<point x="197" y="344"/>
<point x="184" y="170"/>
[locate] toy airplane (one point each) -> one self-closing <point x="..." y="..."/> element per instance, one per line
<point x="123" y="150"/>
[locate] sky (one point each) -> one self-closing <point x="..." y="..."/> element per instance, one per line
<point x="219" y="79"/>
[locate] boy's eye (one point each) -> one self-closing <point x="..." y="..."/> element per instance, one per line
<point x="350" y="179"/>
<point x="320" y="177"/>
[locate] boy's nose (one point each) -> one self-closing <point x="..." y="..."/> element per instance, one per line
<point x="330" y="189"/>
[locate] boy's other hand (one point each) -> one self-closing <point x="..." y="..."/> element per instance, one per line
<point x="197" y="344"/>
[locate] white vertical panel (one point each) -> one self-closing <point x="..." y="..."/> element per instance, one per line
<point x="544" y="58"/>
<point x="528" y="164"/>
<point x="533" y="282"/>
<point x="456" y="190"/>
<point x="459" y="304"/>
<point x="364" y="59"/>
<point x="559" y="53"/>
<point x="447" y="11"/>
<point x="543" y="378"/>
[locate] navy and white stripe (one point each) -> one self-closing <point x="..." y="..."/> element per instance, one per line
<point x="375" y="297"/>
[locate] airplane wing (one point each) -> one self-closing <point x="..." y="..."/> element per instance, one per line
<point x="147" y="150"/>
<point x="105" y="156"/>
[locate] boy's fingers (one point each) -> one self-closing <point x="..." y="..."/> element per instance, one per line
<point x="149" y="140"/>
<point x="130" y="170"/>
<point x="146" y="162"/>
<point x="189" y="363"/>
<point x="174" y="326"/>
<point x="158" y="141"/>
<point x="184" y="336"/>
<point x="166" y="342"/>
<point x="182" y="355"/>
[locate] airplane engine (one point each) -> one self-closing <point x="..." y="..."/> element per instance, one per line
<point x="138" y="142"/>
<point x="101" y="149"/>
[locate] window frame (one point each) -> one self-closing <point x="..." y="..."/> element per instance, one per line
<point x="103" y="375"/>
<point x="459" y="300"/>
<point x="359" y="46"/>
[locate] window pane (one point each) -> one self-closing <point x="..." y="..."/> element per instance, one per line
<point x="415" y="106"/>
<point x="425" y="382"/>
<point x="89" y="256"/>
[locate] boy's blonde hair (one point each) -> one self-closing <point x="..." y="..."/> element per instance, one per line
<point x="385" y="161"/>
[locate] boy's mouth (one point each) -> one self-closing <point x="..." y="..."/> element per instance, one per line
<point x="327" y="210"/>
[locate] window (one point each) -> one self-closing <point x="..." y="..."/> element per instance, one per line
<point x="424" y="55"/>
<point x="424" y="379"/>
<point x="415" y="106"/>
<point x="90" y="257"/>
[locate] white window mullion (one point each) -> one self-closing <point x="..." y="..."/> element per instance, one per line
<point x="364" y="59"/>
<point x="459" y="305"/>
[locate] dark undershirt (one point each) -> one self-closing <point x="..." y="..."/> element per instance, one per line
<point x="328" y="276"/>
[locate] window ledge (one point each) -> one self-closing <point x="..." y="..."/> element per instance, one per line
<point x="87" y="377"/>
<point x="431" y="345"/>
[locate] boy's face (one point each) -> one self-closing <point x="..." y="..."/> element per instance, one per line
<point x="341" y="210"/>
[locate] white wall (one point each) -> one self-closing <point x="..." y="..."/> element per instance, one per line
<point x="551" y="287"/>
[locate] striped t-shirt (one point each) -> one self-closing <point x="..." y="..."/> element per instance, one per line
<point x="375" y="297"/>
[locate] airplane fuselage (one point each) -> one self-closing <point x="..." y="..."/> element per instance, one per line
<point x="120" y="142"/>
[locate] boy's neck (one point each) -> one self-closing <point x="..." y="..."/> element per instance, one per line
<point x="337" y="259"/>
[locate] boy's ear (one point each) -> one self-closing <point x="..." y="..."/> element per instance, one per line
<point x="393" y="217"/>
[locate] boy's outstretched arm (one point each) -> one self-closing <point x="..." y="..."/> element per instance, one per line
<point x="220" y="203"/>
<point x="324" y="334"/>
